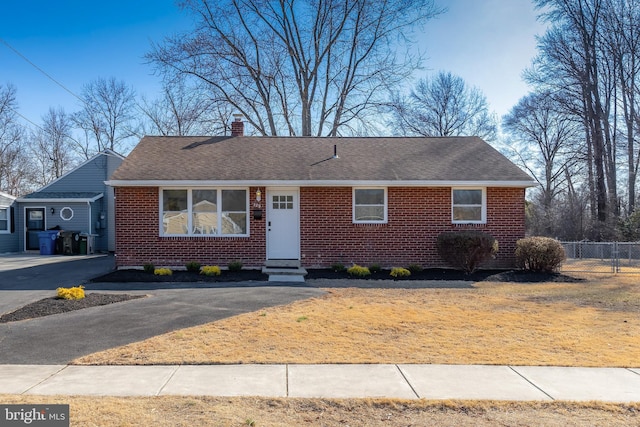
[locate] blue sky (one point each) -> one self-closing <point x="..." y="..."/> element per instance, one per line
<point x="486" y="42"/>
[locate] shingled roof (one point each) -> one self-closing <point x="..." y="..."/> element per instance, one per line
<point x="311" y="161"/>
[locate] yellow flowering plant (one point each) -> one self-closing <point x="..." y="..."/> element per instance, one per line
<point x="76" y="292"/>
<point x="162" y="272"/>
<point x="358" y="271"/>
<point x="399" y="272"/>
<point x="210" y="270"/>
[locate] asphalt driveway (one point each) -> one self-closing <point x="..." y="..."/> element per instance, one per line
<point x="60" y="338"/>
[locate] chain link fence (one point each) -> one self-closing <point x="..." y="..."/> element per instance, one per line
<point x="602" y="257"/>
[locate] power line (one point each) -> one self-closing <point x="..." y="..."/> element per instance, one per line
<point x="39" y="69"/>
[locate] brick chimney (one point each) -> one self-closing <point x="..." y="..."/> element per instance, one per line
<point x="237" y="125"/>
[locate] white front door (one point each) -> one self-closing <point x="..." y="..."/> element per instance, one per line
<point x="283" y="224"/>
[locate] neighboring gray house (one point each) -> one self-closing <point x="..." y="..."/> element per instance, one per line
<point x="8" y="235"/>
<point x="77" y="201"/>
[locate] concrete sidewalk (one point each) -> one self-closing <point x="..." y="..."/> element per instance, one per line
<point x="474" y="382"/>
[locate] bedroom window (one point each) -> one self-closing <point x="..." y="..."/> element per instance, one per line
<point x="204" y="212"/>
<point x="369" y="205"/>
<point x="468" y="206"/>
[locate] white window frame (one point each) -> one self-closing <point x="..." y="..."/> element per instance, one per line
<point x="353" y="206"/>
<point x="190" y="229"/>
<point x="66" y="208"/>
<point x="483" y="219"/>
<point x="8" y="229"/>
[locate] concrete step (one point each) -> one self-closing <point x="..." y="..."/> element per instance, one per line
<point x="282" y="263"/>
<point x="284" y="271"/>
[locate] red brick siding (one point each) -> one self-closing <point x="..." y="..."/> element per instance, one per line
<point x="138" y="239"/>
<point x="415" y="218"/>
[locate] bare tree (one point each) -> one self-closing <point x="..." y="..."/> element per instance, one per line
<point x="544" y="137"/>
<point x="622" y="48"/>
<point x="297" y="67"/>
<point x="51" y="146"/>
<point x="14" y="171"/>
<point x="107" y="116"/>
<point x="571" y="62"/>
<point x="443" y="106"/>
<point x="180" y="110"/>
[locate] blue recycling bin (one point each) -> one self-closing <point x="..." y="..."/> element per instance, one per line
<point x="47" y="240"/>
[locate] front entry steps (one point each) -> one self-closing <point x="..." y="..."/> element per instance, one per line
<point x="284" y="270"/>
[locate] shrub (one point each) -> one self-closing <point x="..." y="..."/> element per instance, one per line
<point x="542" y="254"/>
<point x="414" y="268"/>
<point x="210" y="270"/>
<point x="375" y="268"/>
<point x="338" y="267"/>
<point x="358" y="271"/>
<point x="149" y="268"/>
<point x="399" y="272"/>
<point x="162" y="272"/>
<point x="466" y="250"/>
<point x="235" y="266"/>
<point x="77" y="292"/>
<point x="193" y="266"/>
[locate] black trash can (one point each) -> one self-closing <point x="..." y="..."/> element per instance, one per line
<point x="70" y="242"/>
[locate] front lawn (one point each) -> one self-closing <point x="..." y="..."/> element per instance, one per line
<point x="592" y="323"/>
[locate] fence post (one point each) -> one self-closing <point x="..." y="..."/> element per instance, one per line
<point x="615" y="258"/>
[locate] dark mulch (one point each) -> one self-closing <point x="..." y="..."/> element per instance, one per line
<point x="53" y="305"/>
<point x="532" y="277"/>
<point x="127" y="276"/>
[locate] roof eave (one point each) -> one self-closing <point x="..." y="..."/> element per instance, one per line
<point x="60" y="200"/>
<point x="318" y="183"/>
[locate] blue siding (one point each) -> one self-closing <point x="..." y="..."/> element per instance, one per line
<point x="8" y="240"/>
<point x="94" y="217"/>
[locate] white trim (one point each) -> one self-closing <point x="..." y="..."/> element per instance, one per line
<point x="317" y="183"/>
<point x="25" y="239"/>
<point x="385" y="218"/>
<point x="268" y="208"/>
<point x="190" y="212"/>
<point x="483" y="214"/>
<point x="8" y="230"/>
<point x="7" y="195"/>
<point x="72" y="213"/>
<point x="61" y="200"/>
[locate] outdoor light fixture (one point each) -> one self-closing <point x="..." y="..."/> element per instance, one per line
<point x="257" y="211"/>
<point x="53" y="211"/>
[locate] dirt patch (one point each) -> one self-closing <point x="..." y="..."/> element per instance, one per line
<point x="53" y="305"/>
<point x="260" y="412"/>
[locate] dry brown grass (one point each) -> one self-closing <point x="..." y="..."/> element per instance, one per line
<point x="588" y="324"/>
<point x="217" y="411"/>
<point x="595" y="323"/>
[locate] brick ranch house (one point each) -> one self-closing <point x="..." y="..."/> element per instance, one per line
<point x="215" y="200"/>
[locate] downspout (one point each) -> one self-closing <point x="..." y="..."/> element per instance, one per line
<point x="90" y="218"/>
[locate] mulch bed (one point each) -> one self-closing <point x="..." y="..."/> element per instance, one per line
<point x="53" y="305"/>
<point x="126" y="276"/>
<point x="131" y="275"/>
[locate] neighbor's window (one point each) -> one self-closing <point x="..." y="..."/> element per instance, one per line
<point x="369" y="205"/>
<point x="468" y="205"/>
<point x="66" y="213"/>
<point x="210" y="212"/>
<point x="4" y="220"/>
